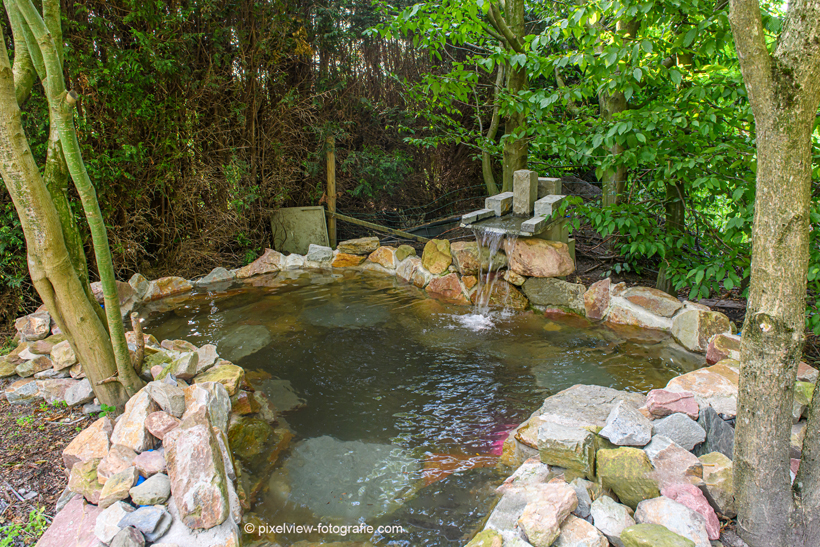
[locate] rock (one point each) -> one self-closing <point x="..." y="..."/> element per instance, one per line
<point x="229" y="375"/>
<point x="211" y="396"/>
<point x="154" y="491"/>
<point x="217" y="275"/>
<point x="568" y="447"/>
<point x="79" y="393"/>
<point x="498" y="294"/>
<point x="529" y="473"/>
<point x="119" y="458"/>
<point x="130" y="429"/>
<point x="23" y="391"/>
<point x="623" y="312"/>
<point x="128" y="537"/>
<point x="319" y="253"/>
<point x="806" y="373"/>
<point x="513" y="278"/>
<point x="224" y="535"/>
<point x="486" y="538"/>
<point x="197" y="473"/>
<point x="715" y="386"/>
<point x="206" y="358"/>
<point x="140" y="285"/>
<point x="719" y="480"/>
<point x="93" y="443"/>
<point x="681" y="429"/>
<point x="62" y="355"/>
<point x="344" y="260"/>
<point x="584" y="406"/>
<point x="673" y="463"/>
<point x="629" y="473"/>
<point x="54" y="390"/>
<point x="183" y="368"/>
<point x="152" y="521"/>
<point x="448" y="289"/>
<point x="693" y="498"/>
<point x="404" y="251"/>
<point x="34" y="326"/>
<point x="436" y="257"/>
<point x="694" y="328"/>
<point x="653" y="535"/>
<point x="171" y="399"/>
<point x="51" y="374"/>
<point x="73" y="526"/>
<point x="270" y="262"/>
<point x="167" y="286"/>
<point x="676" y="517"/>
<point x="583" y="489"/>
<point x="117" y="486"/>
<point x="244" y="403"/>
<point x="533" y="257"/>
<point x="160" y="423"/>
<point x="149" y="463"/>
<point x="470" y="281"/>
<point x="798" y="435"/>
<point x="248" y="436"/>
<point x="802" y="393"/>
<point x="7" y="369"/>
<point x="32" y="367"/>
<point x="596" y="299"/>
<point x="407" y="269"/>
<point x="625" y="426"/>
<point x="107" y="525"/>
<point x="542" y="517"/>
<point x="469" y="259"/>
<point x="293" y="262"/>
<point x="83" y="480"/>
<point x="723" y="346"/>
<point x="227" y="457"/>
<point x="611" y="518"/>
<point x="544" y="291"/>
<point x="661" y="402"/>
<point x="361" y="246"/>
<point x="653" y="300"/>
<point x="576" y="532"/>
<point x="720" y="436"/>
<point x="241" y="341"/>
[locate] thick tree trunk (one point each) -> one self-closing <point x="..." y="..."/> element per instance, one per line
<point x="515" y="147"/>
<point x="614" y="180"/>
<point x="486" y="158"/>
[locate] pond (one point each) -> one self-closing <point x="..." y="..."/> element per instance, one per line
<point x="399" y="404"/>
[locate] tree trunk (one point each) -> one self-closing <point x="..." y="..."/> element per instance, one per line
<point x="675" y="205"/>
<point x="486" y="158"/>
<point x="614" y="180"/>
<point x="515" y="147"/>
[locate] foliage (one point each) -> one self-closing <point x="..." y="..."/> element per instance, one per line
<point x="30" y="531"/>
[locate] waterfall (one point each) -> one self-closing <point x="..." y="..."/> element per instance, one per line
<point x="489" y="242"/>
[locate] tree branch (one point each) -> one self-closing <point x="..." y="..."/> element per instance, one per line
<point x="755" y="61"/>
<point x="500" y="25"/>
<point x="25" y="72"/>
<point x="798" y="49"/>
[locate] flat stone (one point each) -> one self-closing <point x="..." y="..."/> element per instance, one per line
<point x="130" y="428"/>
<point x="623" y="312"/>
<point x="159" y="423"/>
<point x="62" y="355"/>
<point x="653" y="535"/>
<point x="73" y="526"/>
<point x="681" y="429"/>
<point x="79" y="393"/>
<point x="585" y="406"/>
<point x="661" y="402"/>
<point x="107" y="525"/>
<point x="723" y="346"/>
<point x="344" y="260"/>
<point x="128" y="537"/>
<point x="499" y="294"/>
<point x="576" y="532"/>
<point x="83" y="480"/>
<point x="170" y="398"/>
<point x="629" y="473"/>
<point x="360" y="246"/>
<point x="542" y="518"/>
<point x="533" y="257"/>
<point x="319" y="253"/>
<point x="694" y="328"/>
<point x="693" y="498"/>
<point x="51" y="374"/>
<point x="153" y="521"/>
<point x="611" y="518"/>
<point x="544" y="291"/>
<point x="596" y="299"/>
<point x="23" y="391"/>
<point x="54" y="390"/>
<point x="93" y="443"/>
<point x="673" y="463"/>
<point x="715" y="386"/>
<point x="568" y="447"/>
<point x="33" y="366"/>
<point x="117" y="486"/>
<point x="469" y="259"/>
<point x="653" y="300"/>
<point x="149" y="463"/>
<point x="229" y="375"/>
<point x="35" y="326"/>
<point x="447" y="289"/>
<point x="436" y="257"/>
<point x="119" y="458"/>
<point x="499" y="204"/>
<point x="167" y="286"/>
<point x="676" y="517"/>
<point x="217" y="275"/>
<point x="720" y="436"/>
<point x="197" y="473"/>
<point x="404" y="251"/>
<point x="625" y="426"/>
<point x="154" y="491"/>
<point x="270" y="262"/>
<point x="719" y="480"/>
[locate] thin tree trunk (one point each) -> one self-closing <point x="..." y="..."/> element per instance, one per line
<point x="515" y="143"/>
<point x="675" y="205"/>
<point x="486" y="157"/>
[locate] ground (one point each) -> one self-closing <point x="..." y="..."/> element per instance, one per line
<point x="31" y="464"/>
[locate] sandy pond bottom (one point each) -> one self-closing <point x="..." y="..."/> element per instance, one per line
<point x="399" y="404"/>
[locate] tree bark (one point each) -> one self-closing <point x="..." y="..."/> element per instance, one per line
<point x="486" y="158"/>
<point x="784" y="92"/>
<point x="675" y="205"/>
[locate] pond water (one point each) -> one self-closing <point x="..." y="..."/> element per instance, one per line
<point x="399" y="404"/>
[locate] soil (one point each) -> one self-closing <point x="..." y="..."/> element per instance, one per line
<point x="31" y="462"/>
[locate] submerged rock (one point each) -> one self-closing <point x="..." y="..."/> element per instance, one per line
<point x="335" y="314"/>
<point x="242" y="340"/>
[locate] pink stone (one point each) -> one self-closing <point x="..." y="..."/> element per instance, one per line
<point x="149" y="463"/>
<point x="661" y="402"/>
<point x="691" y="496"/>
<point x="596" y="299"/>
<point x="806" y="373"/>
<point x="73" y="526"/>
<point x="156" y="370"/>
<point x="448" y="289"/>
<point x="160" y="423"/>
<point x="794" y="465"/>
<point x="723" y="346"/>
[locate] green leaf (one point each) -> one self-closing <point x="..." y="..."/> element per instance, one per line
<point x="676" y="76"/>
<point x="647" y="46"/>
<point x="637" y="73"/>
<point x="690" y="36"/>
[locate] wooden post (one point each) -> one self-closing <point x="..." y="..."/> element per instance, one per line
<point x="331" y="190"/>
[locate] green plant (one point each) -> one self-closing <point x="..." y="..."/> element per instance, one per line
<point x="105" y="410"/>
<point x="25" y="420"/>
<point x="31" y="530"/>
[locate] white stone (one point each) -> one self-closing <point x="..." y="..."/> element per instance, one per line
<point x="611" y="518"/>
<point x="676" y="517"/>
<point x="500" y="204"/>
<point x="625" y="426"/>
<point x="107" y="525"/>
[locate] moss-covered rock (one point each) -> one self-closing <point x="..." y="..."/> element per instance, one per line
<point x="653" y="535"/>
<point x="436" y="257"/>
<point x="629" y="473"/>
<point x="248" y="436"/>
<point x="229" y="375"/>
<point x="487" y="538"/>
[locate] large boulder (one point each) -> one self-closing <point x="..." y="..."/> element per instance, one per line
<point x="629" y="473"/>
<point x="545" y="291"/>
<point x="73" y="526"/>
<point x="197" y="473"/>
<point x="213" y="398"/>
<point x="596" y="299"/>
<point x="694" y="328"/>
<point x="470" y="259"/>
<point x="361" y="246"/>
<point x="676" y="517"/>
<point x="270" y="262"/>
<point x="437" y="257"/>
<point x="653" y="535"/>
<point x="568" y="447"/>
<point x="653" y="300"/>
<point x="448" y="289"/>
<point x="611" y="518"/>
<point x="130" y="430"/>
<point x="93" y="443"/>
<point x="533" y="257"/>
<point x="714" y="386"/>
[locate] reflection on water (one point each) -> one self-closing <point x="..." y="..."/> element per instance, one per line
<point x="395" y="397"/>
